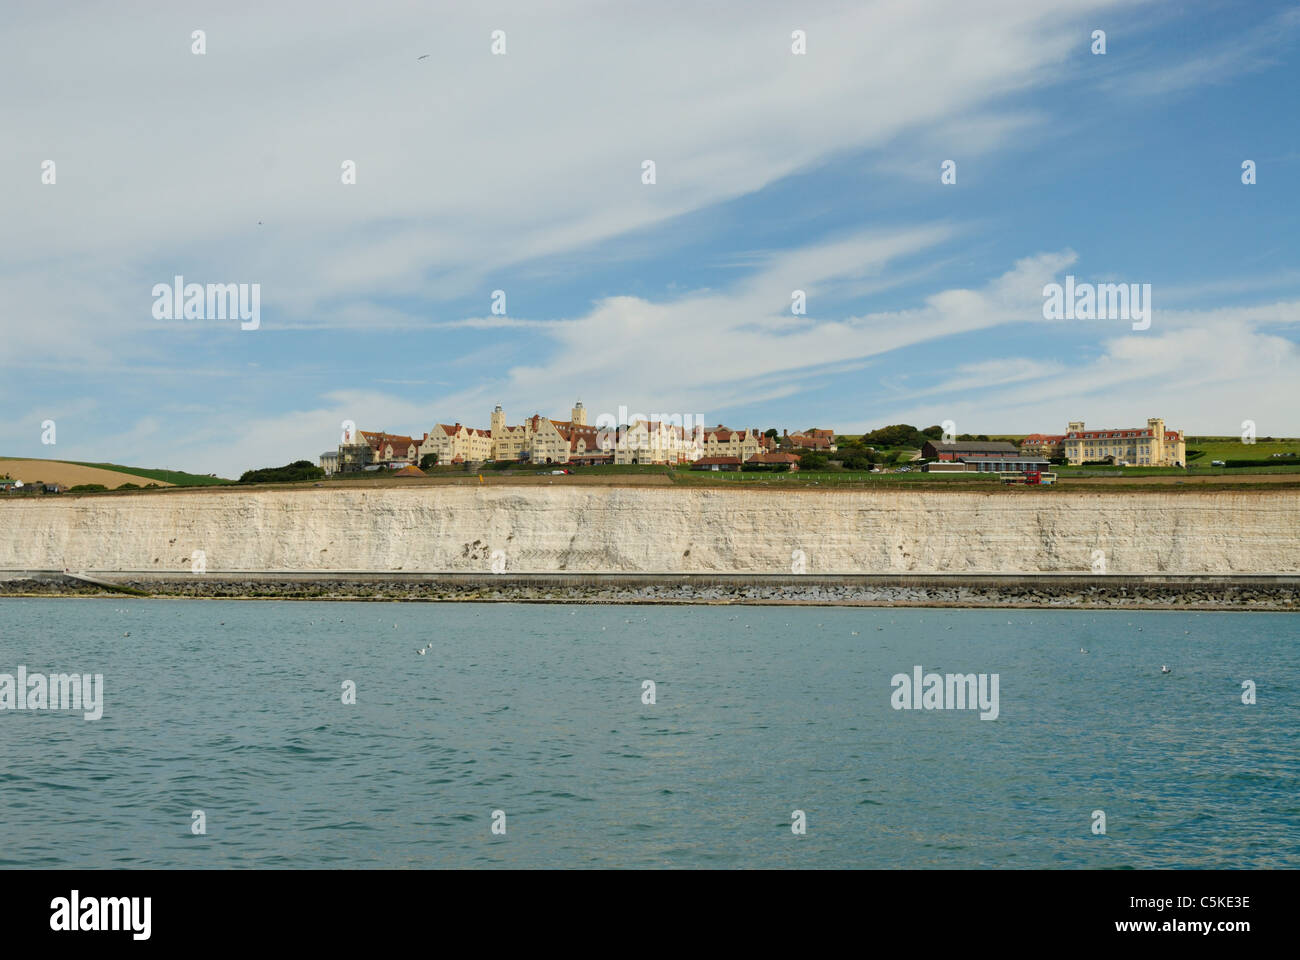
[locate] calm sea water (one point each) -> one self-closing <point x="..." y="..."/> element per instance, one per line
<point x="235" y="709"/>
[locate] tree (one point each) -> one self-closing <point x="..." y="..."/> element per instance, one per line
<point x="298" y="470"/>
<point x="428" y="460"/>
<point x="896" y="435"/>
<point x="813" y="461"/>
<point x="771" y="432"/>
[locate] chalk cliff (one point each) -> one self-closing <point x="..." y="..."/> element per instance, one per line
<point x="662" y="530"/>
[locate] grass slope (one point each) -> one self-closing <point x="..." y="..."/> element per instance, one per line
<point x="177" y="478"/>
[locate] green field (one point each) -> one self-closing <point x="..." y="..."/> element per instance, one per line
<point x="1231" y="448"/>
<point x="178" y="477"/>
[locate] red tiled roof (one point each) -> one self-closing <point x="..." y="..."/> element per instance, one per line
<point x="452" y="429"/>
<point x="774" y="458"/>
<point x="720" y="461"/>
<point x="1043" y="438"/>
<point x="575" y="432"/>
<point x="815" y="440"/>
<point x="378" y="441"/>
<point x="724" y="434"/>
<point x="1116" y="434"/>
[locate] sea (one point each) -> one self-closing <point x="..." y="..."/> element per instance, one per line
<point x="283" y="734"/>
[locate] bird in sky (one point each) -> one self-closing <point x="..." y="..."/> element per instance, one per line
<point x="424" y="56"/>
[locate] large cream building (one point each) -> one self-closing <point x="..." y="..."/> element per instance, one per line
<point x="657" y="441"/>
<point x="457" y="443"/>
<point x="538" y="440"/>
<point x="541" y="440"/>
<point x="722" y="441"/>
<point x="1152" y="446"/>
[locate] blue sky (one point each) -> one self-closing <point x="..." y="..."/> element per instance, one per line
<point x="522" y="172"/>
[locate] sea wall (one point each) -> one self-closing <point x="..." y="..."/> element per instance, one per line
<point x="1275" y="592"/>
<point x="596" y="529"/>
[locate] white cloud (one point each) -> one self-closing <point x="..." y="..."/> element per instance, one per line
<point x="467" y="163"/>
<point x="1161" y="372"/>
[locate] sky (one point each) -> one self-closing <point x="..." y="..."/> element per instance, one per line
<point x="523" y="171"/>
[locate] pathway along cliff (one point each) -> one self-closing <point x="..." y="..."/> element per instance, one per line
<point x="1204" y="547"/>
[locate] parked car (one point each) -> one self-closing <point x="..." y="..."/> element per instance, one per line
<point x="1217" y="463"/>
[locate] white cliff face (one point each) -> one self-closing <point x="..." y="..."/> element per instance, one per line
<point x="593" y="529"/>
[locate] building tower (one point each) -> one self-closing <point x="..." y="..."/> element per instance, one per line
<point x="498" y="430"/>
<point x="1159" y="454"/>
<point x="578" y="415"/>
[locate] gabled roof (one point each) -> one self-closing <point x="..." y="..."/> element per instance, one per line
<point x="378" y="441"/>
<point x="725" y="434"/>
<point x="1120" y="433"/>
<point x="817" y="439"/>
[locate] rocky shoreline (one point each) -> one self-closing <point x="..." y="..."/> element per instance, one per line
<point x="1155" y="592"/>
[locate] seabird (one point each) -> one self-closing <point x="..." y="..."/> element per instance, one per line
<point x="423" y="56"/>
<point x="1081" y="650"/>
<point x="1165" y="669"/>
<point x="422" y="651"/>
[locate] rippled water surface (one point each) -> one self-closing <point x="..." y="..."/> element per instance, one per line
<point x="235" y="709"/>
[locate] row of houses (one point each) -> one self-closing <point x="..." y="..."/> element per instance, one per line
<point x="541" y="440"/>
<point x="18" y="487"/>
